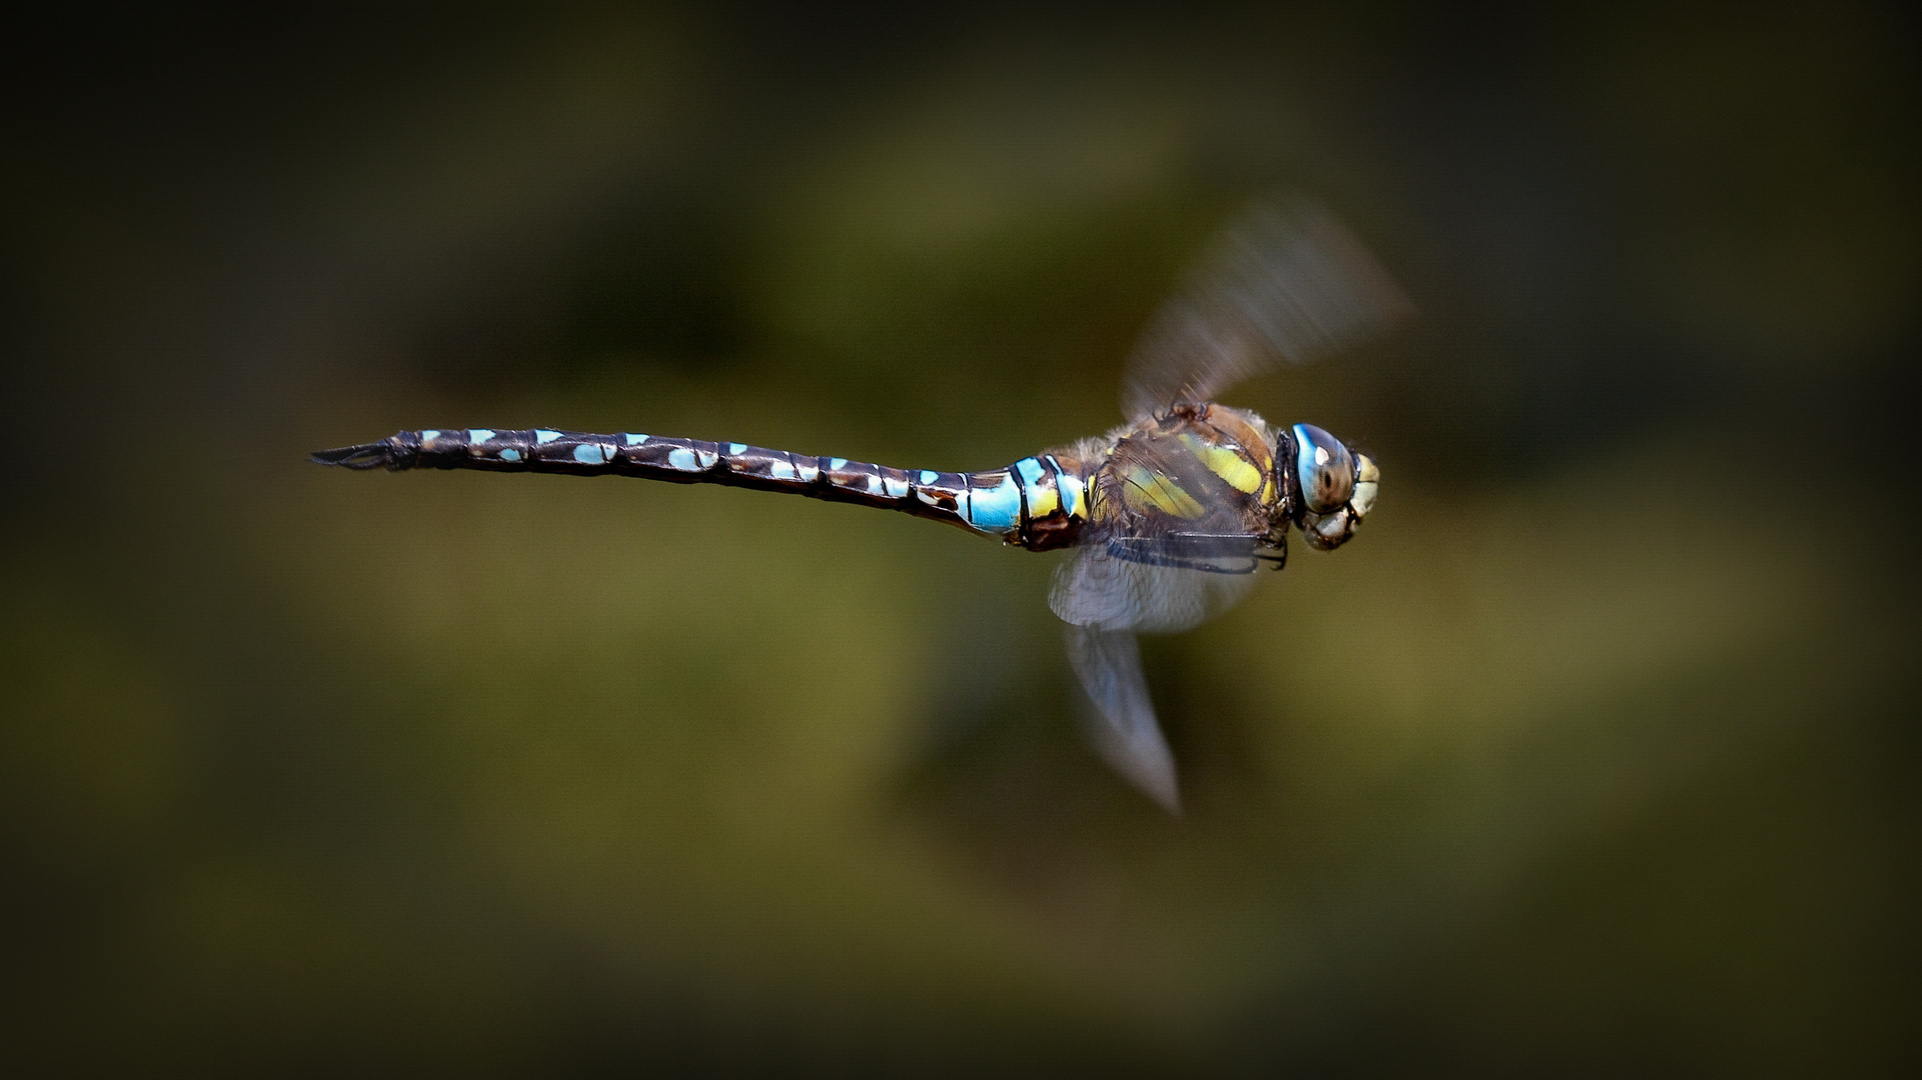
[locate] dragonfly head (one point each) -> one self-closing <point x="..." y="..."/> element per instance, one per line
<point x="1330" y="488"/>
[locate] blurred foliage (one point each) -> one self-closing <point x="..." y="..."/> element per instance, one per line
<point x="1596" y="754"/>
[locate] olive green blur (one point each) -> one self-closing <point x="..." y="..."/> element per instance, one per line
<point x="1594" y="752"/>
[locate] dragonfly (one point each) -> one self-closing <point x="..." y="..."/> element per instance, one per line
<point x="1167" y="516"/>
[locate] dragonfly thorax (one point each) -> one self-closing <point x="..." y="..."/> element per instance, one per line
<point x="1196" y="470"/>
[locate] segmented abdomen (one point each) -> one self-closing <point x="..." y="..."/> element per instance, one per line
<point x="1038" y="502"/>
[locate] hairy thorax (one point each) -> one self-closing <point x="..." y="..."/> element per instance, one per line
<point x="1203" y="468"/>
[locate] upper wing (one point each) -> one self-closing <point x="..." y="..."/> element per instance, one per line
<point x="1286" y="284"/>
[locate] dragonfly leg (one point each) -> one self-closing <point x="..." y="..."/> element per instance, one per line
<point x="1280" y="558"/>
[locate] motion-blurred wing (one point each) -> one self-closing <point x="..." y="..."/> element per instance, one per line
<point x="1161" y="585"/>
<point x="1286" y="284"/>
<point x="1123" y="728"/>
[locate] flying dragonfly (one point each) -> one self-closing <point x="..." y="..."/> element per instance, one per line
<point x="1168" y="515"/>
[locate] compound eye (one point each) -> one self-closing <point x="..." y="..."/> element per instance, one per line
<point x="1324" y="468"/>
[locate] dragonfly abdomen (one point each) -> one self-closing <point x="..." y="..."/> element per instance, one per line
<point x="1037" y="502"/>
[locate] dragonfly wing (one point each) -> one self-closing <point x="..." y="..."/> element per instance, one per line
<point x="1157" y="585"/>
<point x="1286" y="284"/>
<point x="1123" y="729"/>
<point x="1116" y="586"/>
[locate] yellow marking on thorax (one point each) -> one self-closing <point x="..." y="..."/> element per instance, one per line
<point x="1227" y="463"/>
<point x="1145" y="488"/>
<point x="1254" y="444"/>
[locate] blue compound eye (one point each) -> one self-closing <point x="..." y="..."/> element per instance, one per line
<point x="1324" y="468"/>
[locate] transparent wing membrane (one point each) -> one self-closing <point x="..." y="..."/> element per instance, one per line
<point x="1151" y="585"/>
<point x="1123" y="727"/>
<point x="1286" y="284"/>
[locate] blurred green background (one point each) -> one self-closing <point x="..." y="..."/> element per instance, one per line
<point x="1596" y="753"/>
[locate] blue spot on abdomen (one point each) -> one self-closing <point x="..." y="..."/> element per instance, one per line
<point x="995" y="509"/>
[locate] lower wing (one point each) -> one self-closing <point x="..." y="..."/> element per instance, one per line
<point x="1123" y="729"/>
<point x="1117" y="586"/>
